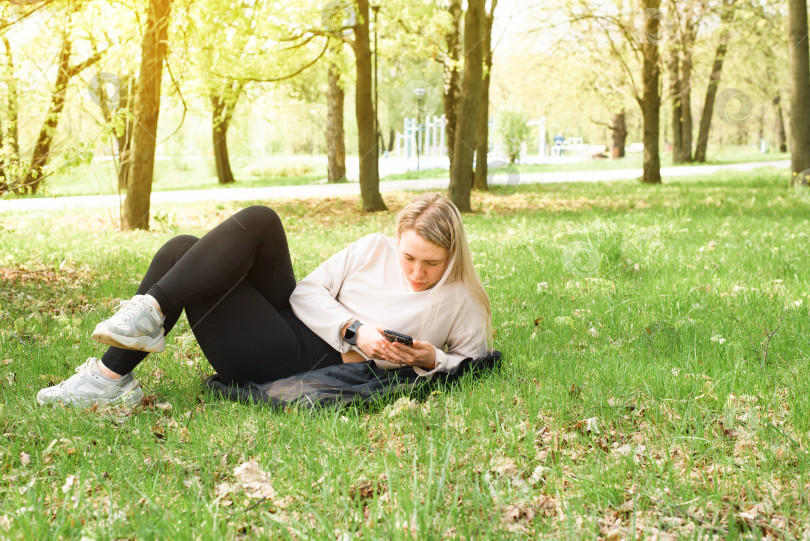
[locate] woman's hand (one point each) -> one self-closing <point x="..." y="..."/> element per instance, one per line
<point x="371" y="341"/>
<point x="422" y="354"/>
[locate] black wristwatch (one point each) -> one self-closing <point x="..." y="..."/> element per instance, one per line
<point x="351" y="333"/>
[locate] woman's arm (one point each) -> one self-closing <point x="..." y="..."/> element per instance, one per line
<point x="314" y="299"/>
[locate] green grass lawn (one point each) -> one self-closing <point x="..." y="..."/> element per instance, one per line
<point x="198" y="173"/>
<point x="720" y="155"/>
<point x="655" y="382"/>
<point x="187" y="173"/>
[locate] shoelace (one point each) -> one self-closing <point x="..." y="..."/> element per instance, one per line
<point x="79" y="370"/>
<point x="127" y="309"/>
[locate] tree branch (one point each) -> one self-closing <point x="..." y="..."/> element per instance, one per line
<point x="5" y="25"/>
<point x="182" y="100"/>
<point x="625" y="68"/>
<point x="275" y="79"/>
<point x="600" y="123"/>
<point x="78" y="68"/>
<point x="770" y="335"/>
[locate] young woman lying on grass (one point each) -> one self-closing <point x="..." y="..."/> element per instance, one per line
<point x="253" y="323"/>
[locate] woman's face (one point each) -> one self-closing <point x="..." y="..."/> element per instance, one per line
<point x="423" y="263"/>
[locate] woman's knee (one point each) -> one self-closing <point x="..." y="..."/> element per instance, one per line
<point x="174" y="248"/>
<point x="258" y="217"/>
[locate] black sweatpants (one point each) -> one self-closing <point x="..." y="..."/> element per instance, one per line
<point x="234" y="284"/>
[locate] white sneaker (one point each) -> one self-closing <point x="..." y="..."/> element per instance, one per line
<point x="88" y="387"/>
<point x="137" y="325"/>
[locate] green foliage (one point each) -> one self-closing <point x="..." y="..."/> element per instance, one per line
<point x="514" y="130"/>
<point x="117" y="125"/>
<point x="79" y="155"/>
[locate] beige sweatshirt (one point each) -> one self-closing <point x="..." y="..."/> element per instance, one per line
<point x="364" y="281"/>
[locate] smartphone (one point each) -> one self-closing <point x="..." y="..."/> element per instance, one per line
<point x="393" y="336"/>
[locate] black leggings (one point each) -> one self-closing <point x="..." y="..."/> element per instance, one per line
<point x="235" y="284"/>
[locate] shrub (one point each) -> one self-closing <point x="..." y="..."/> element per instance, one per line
<point x="514" y="129"/>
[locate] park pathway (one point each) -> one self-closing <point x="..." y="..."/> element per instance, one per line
<point x="352" y="188"/>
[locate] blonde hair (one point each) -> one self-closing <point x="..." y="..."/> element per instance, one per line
<point x="437" y="220"/>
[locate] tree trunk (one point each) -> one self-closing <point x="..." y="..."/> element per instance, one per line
<point x="651" y="100"/>
<point x="109" y="110"/>
<point x="677" y="104"/>
<point x="452" y="76"/>
<point x="12" y="111"/>
<point x="619" y="132"/>
<point x="9" y="147"/>
<point x="680" y="68"/>
<point x="482" y="139"/>
<point x="381" y="137"/>
<point x="714" y="82"/>
<point x="686" y="108"/>
<point x="3" y="183"/>
<point x="482" y="134"/>
<point x="461" y="172"/>
<point x="708" y="103"/>
<point x="220" y="122"/>
<point x="781" y="136"/>
<point x="335" y="136"/>
<point x="799" y="92"/>
<point x="223" y="104"/>
<point x="125" y="138"/>
<point x="364" y="111"/>
<point x="147" y="110"/>
<point x="42" y="149"/>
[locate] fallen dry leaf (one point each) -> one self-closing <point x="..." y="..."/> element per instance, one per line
<point x="367" y="490"/>
<point x="587" y="426"/>
<point x="603" y="443"/>
<point x="727" y="432"/>
<point x="517" y="513"/>
<point x="54" y="442"/>
<point x="69" y="482"/>
<point x="504" y="466"/>
<point x="538" y="474"/>
<point x="405" y="404"/>
<point x="252" y="479"/>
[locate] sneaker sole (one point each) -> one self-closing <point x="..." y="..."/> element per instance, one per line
<point x="129" y="400"/>
<point x="139" y="343"/>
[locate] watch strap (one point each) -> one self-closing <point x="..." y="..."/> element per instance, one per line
<point x="350" y="335"/>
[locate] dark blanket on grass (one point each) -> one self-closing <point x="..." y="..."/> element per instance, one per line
<point x="345" y="384"/>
